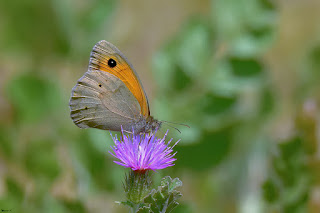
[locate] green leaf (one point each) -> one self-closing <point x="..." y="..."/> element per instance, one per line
<point x="93" y="161"/>
<point x="180" y="79"/>
<point x="96" y="14"/>
<point x="164" y="199"/>
<point x="211" y="149"/>
<point x="14" y="196"/>
<point x="41" y="159"/>
<point x="290" y="185"/>
<point x="267" y="4"/>
<point x="136" y="207"/>
<point x="125" y="203"/>
<point x="144" y="209"/>
<point x="14" y="189"/>
<point x="74" y="206"/>
<point x="245" y="67"/>
<point x="214" y="104"/>
<point x="270" y="191"/>
<point x="267" y="101"/>
<point x="171" y="184"/>
<point x="7" y="145"/>
<point x="33" y="97"/>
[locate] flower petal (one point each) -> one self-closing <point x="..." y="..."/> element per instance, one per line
<point x="143" y="152"/>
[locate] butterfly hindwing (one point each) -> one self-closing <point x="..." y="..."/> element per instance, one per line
<point x="101" y="100"/>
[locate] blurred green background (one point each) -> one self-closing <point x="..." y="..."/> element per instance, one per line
<point x="243" y="74"/>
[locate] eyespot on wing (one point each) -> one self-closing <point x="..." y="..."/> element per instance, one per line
<point x="106" y="57"/>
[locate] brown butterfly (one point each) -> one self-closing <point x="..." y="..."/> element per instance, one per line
<point x="110" y="95"/>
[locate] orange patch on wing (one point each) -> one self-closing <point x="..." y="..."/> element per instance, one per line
<point x="99" y="61"/>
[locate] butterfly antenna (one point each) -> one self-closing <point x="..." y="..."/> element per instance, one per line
<point x="175" y="123"/>
<point x="173" y="127"/>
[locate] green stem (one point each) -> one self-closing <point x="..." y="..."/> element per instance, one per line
<point x="135" y="208"/>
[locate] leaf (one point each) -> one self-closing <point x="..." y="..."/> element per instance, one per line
<point x="172" y="184"/>
<point x="144" y="209"/>
<point x="213" y="104"/>
<point x="125" y="203"/>
<point x="290" y="183"/>
<point x="164" y="199"/>
<point x="212" y="148"/>
<point x="41" y="160"/>
<point x="136" y="207"/>
<point x="74" y="206"/>
<point x="33" y="97"/>
<point x="270" y="191"/>
<point x="245" y="67"/>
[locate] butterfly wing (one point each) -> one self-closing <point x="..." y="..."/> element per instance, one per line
<point x="102" y="52"/>
<point x="101" y="100"/>
<point x="109" y="96"/>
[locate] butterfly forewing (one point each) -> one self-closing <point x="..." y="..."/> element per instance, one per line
<point x="102" y="52"/>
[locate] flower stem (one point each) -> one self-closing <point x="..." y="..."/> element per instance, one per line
<point x="135" y="208"/>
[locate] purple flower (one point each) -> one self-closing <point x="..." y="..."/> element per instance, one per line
<point x="143" y="152"/>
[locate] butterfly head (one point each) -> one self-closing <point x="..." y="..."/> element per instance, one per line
<point x="146" y="125"/>
<point x="153" y="124"/>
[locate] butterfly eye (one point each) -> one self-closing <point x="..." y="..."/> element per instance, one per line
<point x="112" y="63"/>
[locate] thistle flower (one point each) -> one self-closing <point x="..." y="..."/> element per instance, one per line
<point x="143" y="152"/>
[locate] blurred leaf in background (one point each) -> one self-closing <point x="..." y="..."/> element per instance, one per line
<point x="212" y="75"/>
<point x="49" y="167"/>
<point x="244" y="76"/>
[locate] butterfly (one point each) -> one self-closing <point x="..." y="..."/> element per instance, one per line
<point x="110" y="95"/>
